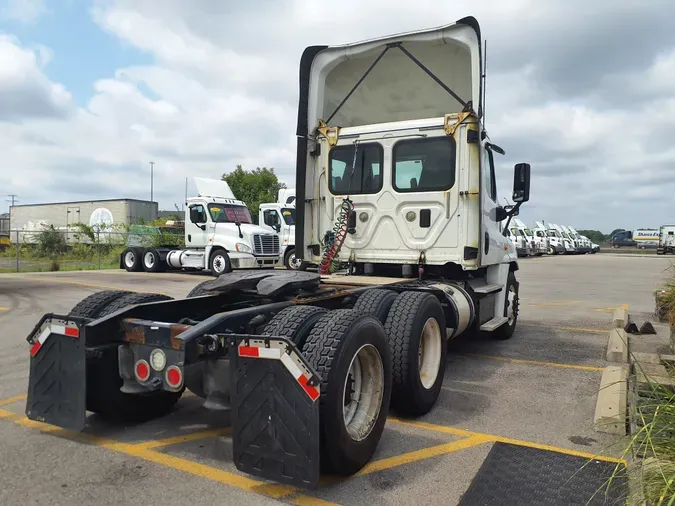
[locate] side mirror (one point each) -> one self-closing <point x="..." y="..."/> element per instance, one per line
<point x="195" y="215"/>
<point x="277" y="227"/>
<point x="521" y="182"/>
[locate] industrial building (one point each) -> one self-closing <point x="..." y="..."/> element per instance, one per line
<point x="95" y="213"/>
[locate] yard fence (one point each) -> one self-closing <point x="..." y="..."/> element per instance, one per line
<point x="67" y="250"/>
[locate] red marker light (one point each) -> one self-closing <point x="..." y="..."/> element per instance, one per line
<point x="142" y="370"/>
<point x="174" y="376"/>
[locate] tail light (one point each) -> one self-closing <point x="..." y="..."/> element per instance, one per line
<point x="142" y="370"/>
<point x="174" y="376"/>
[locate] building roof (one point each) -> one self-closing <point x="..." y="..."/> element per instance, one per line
<point x="85" y="202"/>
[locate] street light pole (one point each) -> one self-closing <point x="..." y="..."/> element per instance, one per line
<point x="152" y="179"/>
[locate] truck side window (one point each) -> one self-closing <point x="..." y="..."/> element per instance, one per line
<point x="271" y="217"/>
<point x="367" y="175"/>
<point x="197" y="214"/>
<point x="489" y="178"/>
<point x="424" y="164"/>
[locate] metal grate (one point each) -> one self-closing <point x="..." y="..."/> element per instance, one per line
<point x="266" y="244"/>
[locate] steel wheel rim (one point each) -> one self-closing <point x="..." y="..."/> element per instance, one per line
<point x="149" y="259"/>
<point x="363" y="392"/>
<point x="511" y="309"/>
<point x="219" y="264"/>
<point x="429" y="353"/>
<point x="293" y="261"/>
<point x="129" y="259"/>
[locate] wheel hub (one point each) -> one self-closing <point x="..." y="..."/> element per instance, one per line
<point x="429" y="353"/>
<point x="362" y="392"/>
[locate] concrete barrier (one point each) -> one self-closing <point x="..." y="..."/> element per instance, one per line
<point x="617" y="346"/>
<point x="611" y="407"/>
<point x="620" y="318"/>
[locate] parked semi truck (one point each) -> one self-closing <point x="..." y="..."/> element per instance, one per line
<point x="310" y="365"/>
<point x="219" y="236"/>
<point x="279" y="218"/>
<point x="666" y="240"/>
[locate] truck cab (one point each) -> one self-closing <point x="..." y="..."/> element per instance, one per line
<point x="279" y="218"/>
<point x="623" y="239"/>
<point x="541" y="239"/>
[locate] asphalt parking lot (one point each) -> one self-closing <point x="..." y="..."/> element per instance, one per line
<point x="534" y="392"/>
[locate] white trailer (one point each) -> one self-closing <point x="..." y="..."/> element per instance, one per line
<point x="666" y="240"/>
<point x="647" y="237"/>
<point x="219" y="236"/>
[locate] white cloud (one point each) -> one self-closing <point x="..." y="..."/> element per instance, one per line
<point x="223" y="91"/>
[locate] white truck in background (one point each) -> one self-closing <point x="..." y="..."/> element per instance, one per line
<point x="522" y="238"/>
<point x="279" y="217"/>
<point x="581" y="244"/>
<point x="541" y="240"/>
<point x="666" y="240"/>
<point x="219" y="236"/>
<point x="554" y="240"/>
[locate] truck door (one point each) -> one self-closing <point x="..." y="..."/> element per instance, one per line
<point x="490" y="230"/>
<point x="196" y="235"/>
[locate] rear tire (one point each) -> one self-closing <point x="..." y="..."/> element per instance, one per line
<point x="377" y="302"/>
<point x="349" y="349"/>
<point x="131" y="259"/>
<point x="152" y="262"/>
<point x="130" y="300"/>
<point x="295" y="323"/>
<point x="511" y="307"/>
<point x="104" y="396"/>
<point x="417" y="336"/>
<point x="199" y="290"/>
<point x="91" y="305"/>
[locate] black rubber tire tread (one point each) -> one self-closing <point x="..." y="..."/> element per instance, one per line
<point x="377" y="302"/>
<point x="506" y="331"/>
<point x="91" y="305"/>
<point x="105" y="398"/>
<point x="404" y="328"/>
<point x="199" y="290"/>
<point x="330" y="345"/>
<point x="131" y="299"/>
<point x="295" y="323"/>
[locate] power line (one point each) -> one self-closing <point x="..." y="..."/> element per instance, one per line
<point x="13" y="197"/>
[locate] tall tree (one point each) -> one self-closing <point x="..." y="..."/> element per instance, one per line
<point x="254" y="187"/>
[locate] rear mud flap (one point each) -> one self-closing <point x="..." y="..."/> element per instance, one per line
<point x="275" y="411"/>
<point x="57" y="383"/>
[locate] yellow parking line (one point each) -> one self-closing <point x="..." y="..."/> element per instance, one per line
<point x="12" y="400"/>
<point x="4" y="308"/>
<point x="184" y="438"/>
<point x="499" y="439"/>
<point x="536" y="362"/>
<point x="308" y="500"/>
<point x="424" y="453"/>
<point x="570" y="329"/>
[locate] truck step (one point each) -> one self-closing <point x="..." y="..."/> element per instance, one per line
<point x="494" y="324"/>
<point x="488" y="289"/>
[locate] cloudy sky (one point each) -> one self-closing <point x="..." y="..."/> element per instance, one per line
<point x="92" y="91"/>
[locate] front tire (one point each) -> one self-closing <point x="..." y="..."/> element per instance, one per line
<point x="292" y="263"/>
<point x="219" y="263"/>
<point x="511" y="307"/>
<point x="417" y="336"/>
<point x="351" y="354"/>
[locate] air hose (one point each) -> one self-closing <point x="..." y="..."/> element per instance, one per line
<point x="332" y="248"/>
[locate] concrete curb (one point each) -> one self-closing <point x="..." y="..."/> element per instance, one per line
<point x="620" y="318"/>
<point x="611" y="406"/>
<point x="617" y="346"/>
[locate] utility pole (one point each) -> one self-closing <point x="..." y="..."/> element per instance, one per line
<point x="13" y="196"/>
<point x="152" y="179"/>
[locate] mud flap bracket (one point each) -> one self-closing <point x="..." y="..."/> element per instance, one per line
<point x="275" y="411"/>
<point x="57" y="385"/>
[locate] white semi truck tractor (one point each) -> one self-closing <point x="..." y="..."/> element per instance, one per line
<point x="396" y="178"/>
<point x="279" y="218"/>
<point x="219" y="236"/>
